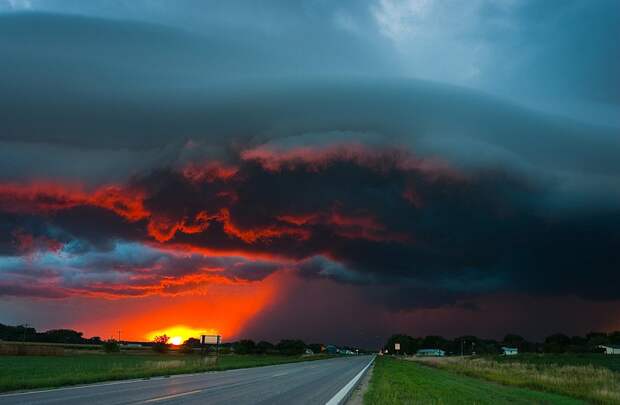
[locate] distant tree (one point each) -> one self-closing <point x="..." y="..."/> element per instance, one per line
<point x="438" y="342"/>
<point x="189" y="345"/>
<point x="192" y="342"/>
<point x="17" y="333"/>
<point x="111" y="346"/>
<point x="264" y="347"/>
<point x="408" y="344"/>
<point x="315" y="347"/>
<point x="514" y="340"/>
<point x="578" y="344"/>
<point x="28" y="334"/>
<point x="556" y="343"/>
<point x="95" y="340"/>
<point x="61" y="336"/>
<point x="290" y="347"/>
<point x="614" y="337"/>
<point x="160" y="343"/>
<point x="486" y="346"/>
<point x="244" y="346"/>
<point x="467" y="344"/>
<point x="597" y="338"/>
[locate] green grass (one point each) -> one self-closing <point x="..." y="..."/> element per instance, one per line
<point x="407" y="382"/>
<point x="26" y="372"/>
<point x="569" y="359"/>
<point x="561" y="374"/>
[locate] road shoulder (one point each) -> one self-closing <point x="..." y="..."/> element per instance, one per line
<point x="357" y="397"/>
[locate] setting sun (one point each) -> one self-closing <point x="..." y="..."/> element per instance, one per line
<point x="180" y="333"/>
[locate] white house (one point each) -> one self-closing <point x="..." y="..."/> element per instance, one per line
<point x="509" y="351"/>
<point x="610" y="349"/>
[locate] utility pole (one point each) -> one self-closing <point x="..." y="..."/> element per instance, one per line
<point x="462" y="345"/>
<point x="119" y="336"/>
<point x="25" y="326"/>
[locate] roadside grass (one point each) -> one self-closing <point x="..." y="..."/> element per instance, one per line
<point x="564" y="359"/>
<point x="592" y="381"/>
<point x="28" y="372"/>
<point x="407" y="382"/>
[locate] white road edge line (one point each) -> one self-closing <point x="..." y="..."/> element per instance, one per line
<point x="342" y="394"/>
<point x="182" y="394"/>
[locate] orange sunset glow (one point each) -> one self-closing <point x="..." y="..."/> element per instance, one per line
<point x="219" y="309"/>
<point x="180" y="333"/>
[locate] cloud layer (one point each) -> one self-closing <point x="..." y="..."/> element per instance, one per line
<point x="192" y="152"/>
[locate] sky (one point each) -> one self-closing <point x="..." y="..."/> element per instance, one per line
<point x="331" y="171"/>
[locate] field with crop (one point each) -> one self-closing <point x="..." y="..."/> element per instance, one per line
<point x="406" y="382"/>
<point x="24" y="372"/>
<point x="588" y="377"/>
<point x="566" y="359"/>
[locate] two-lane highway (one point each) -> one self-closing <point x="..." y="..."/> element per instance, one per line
<point x="312" y="382"/>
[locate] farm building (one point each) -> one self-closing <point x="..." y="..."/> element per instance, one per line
<point x="509" y="351"/>
<point x="431" y="353"/>
<point x="610" y="349"/>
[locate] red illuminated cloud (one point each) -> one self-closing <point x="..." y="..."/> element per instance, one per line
<point x="48" y="197"/>
<point x="131" y="203"/>
<point x="315" y="158"/>
<point x="345" y="212"/>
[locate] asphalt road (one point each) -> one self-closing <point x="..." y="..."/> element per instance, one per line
<point x="312" y="382"/>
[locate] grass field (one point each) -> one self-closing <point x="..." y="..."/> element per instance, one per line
<point x="568" y="359"/>
<point x="24" y="372"/>
<point x="407" y="382"/>
<point x="587" y="377"/>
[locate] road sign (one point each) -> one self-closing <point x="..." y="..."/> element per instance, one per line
<point x="210" y="339"/>
<point x="396" y="346"/>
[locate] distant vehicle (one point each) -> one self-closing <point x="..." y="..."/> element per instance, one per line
<point x="509" y="351"/>
<point x="430" y="353"/>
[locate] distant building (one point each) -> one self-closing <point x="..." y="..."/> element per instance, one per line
<point x="308" y="351"/>
<point x="430" y="353"/>
<point x="509" y="351"/>
<point x="610" y="349"/>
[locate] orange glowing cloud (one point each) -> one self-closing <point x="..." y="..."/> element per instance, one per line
<point x="46" y="197"/>
<point x="209" y="172"/>
<point x="275" y="158"/>
<point x="222" y="309"/>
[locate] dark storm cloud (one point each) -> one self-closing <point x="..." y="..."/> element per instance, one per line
<point x="558" y="55"/>
<point x="299" y="146"/>
<point x="367" y="217"/>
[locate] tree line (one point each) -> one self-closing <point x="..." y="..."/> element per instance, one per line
<point x="23" y="333"/>
<point x="556" y="343"/>
<point x="287" y="347"/>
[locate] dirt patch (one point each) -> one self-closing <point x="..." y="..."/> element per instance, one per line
<point x="357" y="396"/>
